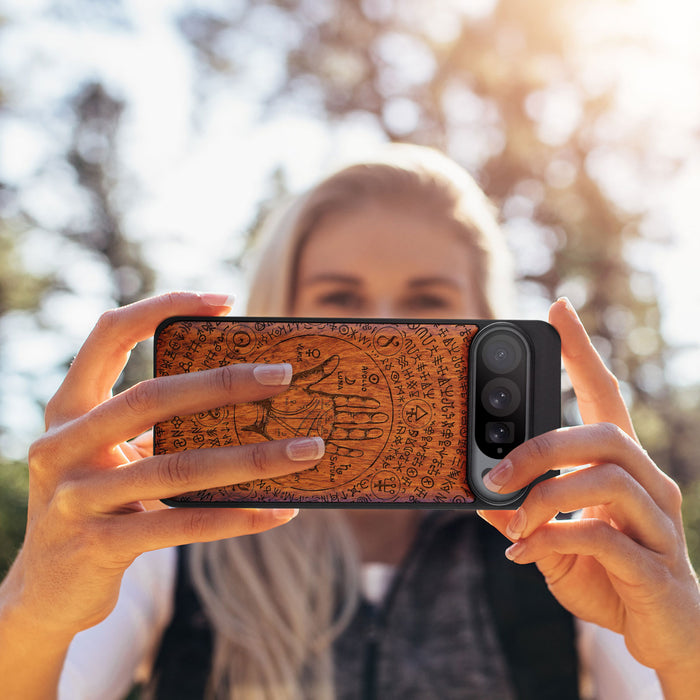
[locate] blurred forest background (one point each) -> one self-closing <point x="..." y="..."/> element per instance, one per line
<point x="580" y="119"/>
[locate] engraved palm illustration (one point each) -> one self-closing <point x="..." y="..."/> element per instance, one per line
<point x="304" y="409"/>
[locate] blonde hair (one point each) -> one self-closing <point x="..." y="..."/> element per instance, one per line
<point x="277" y="600"/>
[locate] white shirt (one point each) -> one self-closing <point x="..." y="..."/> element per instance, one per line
<point x="104" y="661"/>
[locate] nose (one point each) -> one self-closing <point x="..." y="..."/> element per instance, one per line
<point x="384" y="308"/>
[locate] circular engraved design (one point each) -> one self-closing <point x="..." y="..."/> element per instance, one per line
<point x="417" y="413"/>
<point x="387" y="341"/>
<point x="210" y="419"/>
<point x="385" y="485"/>
<point x="240" y="340"/>
<point x="337" y="392"/>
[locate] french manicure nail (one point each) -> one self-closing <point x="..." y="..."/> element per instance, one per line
<point x="569" y="306"/>
<point x="515" y="550"/>
<point x="285" y="514"/>
<point x="499" y="476"/>
<point x="305" y="449"/>
<point x="218" y="299"/>
<point x="517" y="525"/>
<point x="273" y="375"/>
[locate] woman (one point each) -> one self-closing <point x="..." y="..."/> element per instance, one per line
<point x="410" y="236"/>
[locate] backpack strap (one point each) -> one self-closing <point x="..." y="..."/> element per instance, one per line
<point x="183" y="663"/>
<point x="536" y="633"/>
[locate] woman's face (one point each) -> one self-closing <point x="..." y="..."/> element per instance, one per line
<point x="388" y="262"/>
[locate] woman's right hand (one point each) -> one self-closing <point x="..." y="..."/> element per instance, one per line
<point x="88" y="516"/>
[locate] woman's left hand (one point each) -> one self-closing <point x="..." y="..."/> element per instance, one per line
<point x="623" y="564"/>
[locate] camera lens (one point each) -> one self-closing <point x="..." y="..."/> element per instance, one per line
<point x="502" y="353"/>
<point x="500" y="396"/>
<point x="499" y="432"/>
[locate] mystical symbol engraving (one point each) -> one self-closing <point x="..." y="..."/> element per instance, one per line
<point x="342" y="420"/>
<point x="387" y="341"/>
<point x="337" y="392"/>
<point x="389" y="402"/>
<point x="240" y="340"/>
<point x="417" y="413"/>
<point x="212" y="418"/>
<point x="385" y="485"/>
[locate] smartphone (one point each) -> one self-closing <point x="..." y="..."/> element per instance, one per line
<point x="413" y="413"/>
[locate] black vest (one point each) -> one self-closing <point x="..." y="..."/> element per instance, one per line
<point x="534" y="634"/>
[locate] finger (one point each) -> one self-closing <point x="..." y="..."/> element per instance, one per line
<point x="497" y="518"/>
<point x="596" y="388"/>
<point x="614" y="550"/>
<point x="102" y="357"/>
<point x="166" y="476"/>
<point x="156" y="529"/>
<point x="138" y="448"/>
<point x="583" y="444"/>
<point x="141" y="406"/>
<point x="143" y="444"/>
<point x="605" y="486"/>
<point x="131" y="452"/>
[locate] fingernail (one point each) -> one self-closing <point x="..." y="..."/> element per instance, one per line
<point x="273" y="375"/>
<point x="498" y="477"/>
<point x="515" y="551"/>
<point x="218" y="299"/>
<point x="517" y="525"/>
<point x="569" y="306"/>
<point x="285" y="514"/>
<point x="304" y="449"/>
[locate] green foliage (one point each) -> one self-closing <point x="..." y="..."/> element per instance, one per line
<point x="691" y="520"/>
<point x="18" y="289"/>
<point x="14" y="483"/>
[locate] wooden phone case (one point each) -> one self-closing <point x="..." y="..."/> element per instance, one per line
<point x="390" y="399"/>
